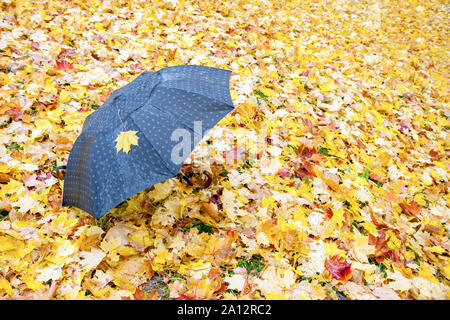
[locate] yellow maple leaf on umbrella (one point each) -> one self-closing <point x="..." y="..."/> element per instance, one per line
<point x="125" y="139"/>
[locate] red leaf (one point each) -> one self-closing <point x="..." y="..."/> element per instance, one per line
<point x="412" y="209"/>
<point x="380" y="246"/>
<point x="64" y="65"/>
<point x="15" y="114"/>
<point x="309" y="170"/>
<point x="308" y="153"/>
<point x="329" y="213"/>
<point x="84" y="109"/>
<point x="374" y="176"/>
<point x="140" y="294"/>
<point x="360" y="144"/>
<point x="284" y="173"/>
<point x="394" y="255"/>
<point x="305" y="73"/>
<point x="339" y="270"/>
<point x="44" y="176"/>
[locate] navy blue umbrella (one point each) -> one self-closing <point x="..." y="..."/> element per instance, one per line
<point x="155" y="104"/>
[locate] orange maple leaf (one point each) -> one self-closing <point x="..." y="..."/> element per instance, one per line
<point x="64" y="65"/>
<point x="339" y="270"/>
<point x="140" y="294"/>
<point x="413" y="208"/>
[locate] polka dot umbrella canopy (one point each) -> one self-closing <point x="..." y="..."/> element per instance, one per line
<point x="155" y="104"/>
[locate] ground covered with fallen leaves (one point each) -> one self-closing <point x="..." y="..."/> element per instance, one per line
<point x="348" y="198"/>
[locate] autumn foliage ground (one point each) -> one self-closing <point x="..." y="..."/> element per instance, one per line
<point x="347" y="200"/>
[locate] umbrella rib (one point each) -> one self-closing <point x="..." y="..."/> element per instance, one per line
<point x="178" y="119"/>
<point x="231" y="107"/>
<point x="144" y="104"/>
<point x="156" y="151"/>
<point x="215" y="100"/>
<point x="227" y="83"/>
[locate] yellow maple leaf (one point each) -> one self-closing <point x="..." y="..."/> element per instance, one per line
<point x="125" y="139"/>
<point x="124" y="251"/>
<point x="4" y="80"/>
<point x="394" y="243"/>
<point x="161" y="191"/>
<point x="331" y="248"/>
<point x="111" y="244"/>
<point x="4" y="285"/>
<point x="31" y="283"/>
<point x="268" y="202"/>
<point x="65" y="96"/>
<point x="437" y="249"/>
<point x="370" y="227"/>
<point x="268" y="92"/>
<point x="275" y="296"/>
<point x="142" y="237"/>
<point x="362" y="249"/>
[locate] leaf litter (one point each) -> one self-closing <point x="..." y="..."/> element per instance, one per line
<point x="348" y="198"/>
